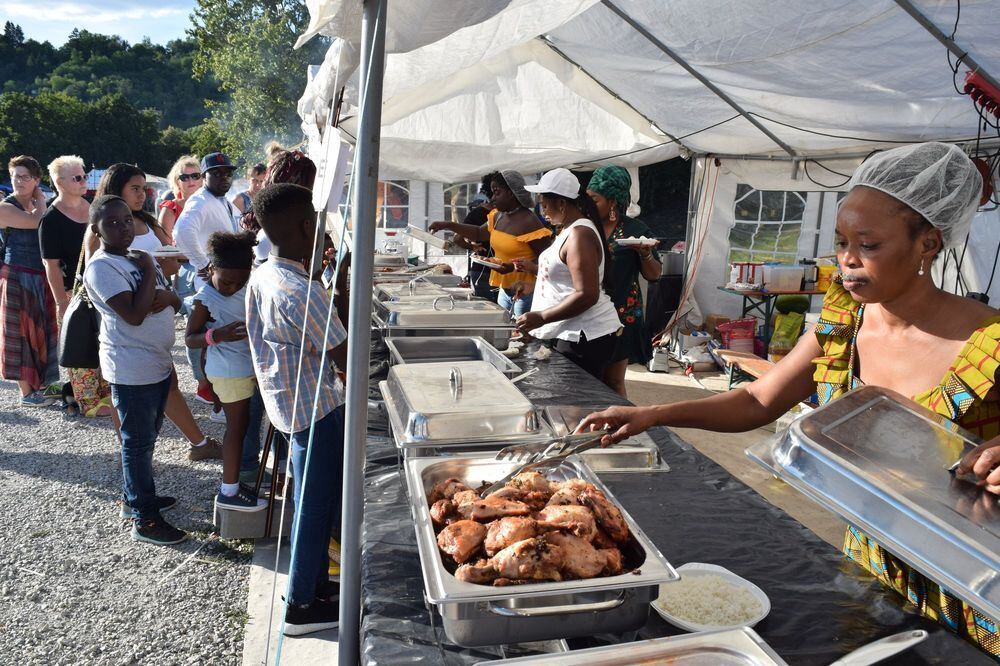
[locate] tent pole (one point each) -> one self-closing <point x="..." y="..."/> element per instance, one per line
<point x="948" y="42"/>
<point x="696" y="74"/>
<point x="985" y="143"/>
<point x="362" y="265"/>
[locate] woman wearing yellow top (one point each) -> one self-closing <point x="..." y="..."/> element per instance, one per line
<point x="886" y="324"/>
<point x="513" y="231"/>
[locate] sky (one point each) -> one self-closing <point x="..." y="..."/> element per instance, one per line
<point x="53" y="20"/>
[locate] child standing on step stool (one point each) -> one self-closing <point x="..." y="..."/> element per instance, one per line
<point x="220" y="306"/>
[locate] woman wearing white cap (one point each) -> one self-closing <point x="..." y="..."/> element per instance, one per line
<point x="571" y="304"/>
<point x="884" y="323"/>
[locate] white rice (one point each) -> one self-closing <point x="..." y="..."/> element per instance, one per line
<point x="709" y="599"/>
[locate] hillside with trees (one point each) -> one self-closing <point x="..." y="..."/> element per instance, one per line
<point x="232" y="84"/>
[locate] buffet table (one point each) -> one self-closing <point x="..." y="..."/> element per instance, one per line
<point x="822" y="606"/>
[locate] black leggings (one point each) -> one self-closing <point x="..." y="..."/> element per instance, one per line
<point x="594" y="356"/>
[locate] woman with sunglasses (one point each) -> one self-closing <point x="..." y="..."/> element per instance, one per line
<point x="184" y="179"/>
<point x="60" y="234"/>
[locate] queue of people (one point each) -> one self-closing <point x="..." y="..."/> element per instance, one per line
<point x="110" y="255"/>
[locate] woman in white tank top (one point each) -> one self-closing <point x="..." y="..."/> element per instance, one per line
<point x="571" y="305"/>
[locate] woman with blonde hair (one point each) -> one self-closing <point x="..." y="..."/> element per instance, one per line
<point x="184" y="179"/>
<point x="60" y="233"/>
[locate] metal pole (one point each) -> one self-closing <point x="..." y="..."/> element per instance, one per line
<point x="949" y="43"/>
<point x="961" y="143"/>
<point x="362" y="265"/>
<point x="696" y="74"/>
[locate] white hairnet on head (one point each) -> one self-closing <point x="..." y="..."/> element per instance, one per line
<point x="936" y="180"/>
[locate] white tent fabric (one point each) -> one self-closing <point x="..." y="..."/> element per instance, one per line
<point x="488" y="84"/>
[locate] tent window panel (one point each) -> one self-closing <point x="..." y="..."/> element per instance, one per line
<point x="767" y="226"/>
<point x="393" y="204"/>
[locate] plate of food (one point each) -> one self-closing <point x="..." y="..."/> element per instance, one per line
<point x="641" y="241"/>
<point x="486" y="261"/>
<point x="710" y="598"/>
<point x="167" y="252"/>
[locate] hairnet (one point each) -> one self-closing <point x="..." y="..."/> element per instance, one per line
<point x="937" y="180"/>
<point x="515" y="183"/>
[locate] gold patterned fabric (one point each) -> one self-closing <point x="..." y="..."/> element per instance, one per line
<point x="965" y="395"/>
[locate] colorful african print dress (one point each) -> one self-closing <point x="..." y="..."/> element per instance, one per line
<point x="966" y="396"/>
<point x="635" y="342"/>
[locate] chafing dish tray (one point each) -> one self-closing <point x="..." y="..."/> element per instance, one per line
<point x="498" y="336"/>
<point x="731" y="647"/>
<point x="636" y="454"/>
<point x="448" y="349"/>
<point x="454" y="404"/>
<point x="486" y="615"/>
<point x="441" y="279"/>
<point x="420" y="292"/>
<point x="443" y="312"/>
<point x="880" y="461"/>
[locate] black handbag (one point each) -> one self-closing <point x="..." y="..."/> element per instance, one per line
<point x="78" y="343"/>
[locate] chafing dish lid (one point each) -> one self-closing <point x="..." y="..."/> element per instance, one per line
<point x="881" y="462"/>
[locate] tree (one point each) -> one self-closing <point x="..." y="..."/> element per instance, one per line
<point x="247" y="46"/>
<point x="12" y="34"/>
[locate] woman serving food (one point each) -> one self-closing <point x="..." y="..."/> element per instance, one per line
<point x="884" y="323"/>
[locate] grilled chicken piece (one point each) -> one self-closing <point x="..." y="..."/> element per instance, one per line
<point x="533" y="498"/>
<point x="445" y="490"/>
<point x="529" y="560"/>
<point x="530" y="481"/>
<point x="581" y="559"/>
<point x="607" y="514"/>
<point x="565" y="497"/>
<point x="491" y="508"/>
<point x="464" y="497"/>
<point x="506" y="531"/>
<point x="613" y="567"/>
<point x="462" y="539"/>
<point x="602" y="540"/>
<point x="576" y="485"/>
<point x="442" y="512"/>
<point x="576" y="519"/>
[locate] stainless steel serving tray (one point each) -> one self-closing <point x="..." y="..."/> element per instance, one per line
<point x="447" y="349"/>
<point x="407" y="274"/>
<point x="454" y="404"/>
<point x="880" y="461"/>
<point x="419" y="292"/>
<point x="498" y="336"/>
<point x="636" y="454"/>
<point x="443" y="312"/>
<point x="475" y="614"/>
<point x="730" y="647"/>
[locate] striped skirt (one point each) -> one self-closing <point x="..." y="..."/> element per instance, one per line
<point x="29" y="339"/>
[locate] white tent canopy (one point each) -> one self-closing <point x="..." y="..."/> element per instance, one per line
<point x="534" y="85"/>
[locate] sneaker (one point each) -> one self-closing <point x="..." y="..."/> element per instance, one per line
<point x="163" y="503"/>
<point x="204" y="394"/>
<point x="54" y="391"/>
<point x="217" y="416"/>
<point x="317" y="616"/>
<point x="243" y="500"/>
<point x="158" y="532"/>
<point x="210" y="450"/>
<point x="36" y="399"/>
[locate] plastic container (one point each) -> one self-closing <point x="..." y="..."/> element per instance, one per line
<point x="780" y="277"/>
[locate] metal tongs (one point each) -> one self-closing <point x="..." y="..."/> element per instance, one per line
<point x="541" y="455"/>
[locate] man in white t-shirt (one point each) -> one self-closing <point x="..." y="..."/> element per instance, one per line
<point x="206" y="211"/>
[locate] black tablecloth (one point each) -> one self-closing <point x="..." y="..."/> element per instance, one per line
<point x="821" y="605"/>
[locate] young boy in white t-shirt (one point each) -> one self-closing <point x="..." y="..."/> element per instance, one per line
<point x="137" y="333"/>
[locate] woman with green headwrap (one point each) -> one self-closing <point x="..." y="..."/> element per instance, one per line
<point x="609" y="188"/>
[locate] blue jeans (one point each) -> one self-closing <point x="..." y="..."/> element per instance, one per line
<point x="140" y="408"/>
<point x="521" y="305"/>
<point x="251" y="442"/>
<point x="317" y="505"/>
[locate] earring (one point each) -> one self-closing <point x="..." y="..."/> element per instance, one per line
<point x="921" y="271"/>
<point x="614" y="214"/>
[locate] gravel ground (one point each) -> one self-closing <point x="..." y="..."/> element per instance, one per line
<point x="74" y="587"/>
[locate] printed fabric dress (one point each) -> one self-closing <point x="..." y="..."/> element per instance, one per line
<point x="967" y="396"/>
<point x="635" y="343"/>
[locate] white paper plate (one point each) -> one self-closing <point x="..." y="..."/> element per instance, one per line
<point x="637" y="242"/>
<point x="692" y="569"/>
<point x="485" y="262"/>
<point x="166" y="251"/>
<point x="426" y="237"/>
